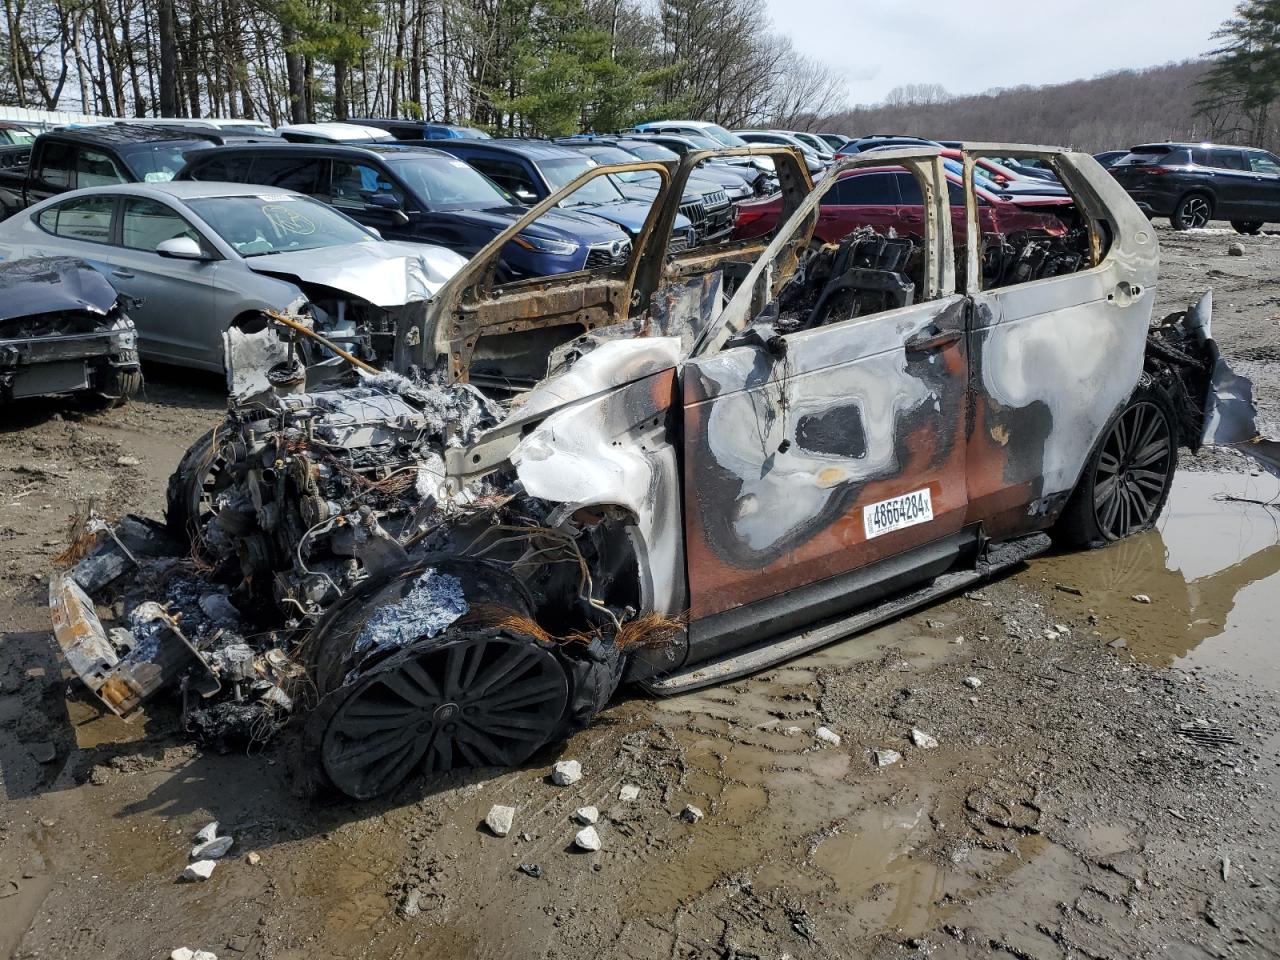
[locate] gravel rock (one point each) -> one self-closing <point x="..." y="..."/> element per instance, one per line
<point x="499" y="819"/>
<point x="252" y="858"/>
<point x="207" y="832"/>
<point x="43" y="751"/>
<point x="1235" y="249"/>
<point x="212" y="849"/>
<point x="691" y="814"/>
<point x="587" y="815"/>
<point x="885" y="758"/>
<point x="200" y="870"/>
<point x="566" y="773"/>
<point x="1140" y="598"/>
<point x="629" y="792"/>
<point x="186" y="953"/>
<point x="827" y="735"/>
<point x="923" y="740"/>
<point x="973" y="683"/>
<point x="587" y="839"/>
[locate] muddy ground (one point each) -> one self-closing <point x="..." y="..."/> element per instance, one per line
<point x="1108" y="790"/>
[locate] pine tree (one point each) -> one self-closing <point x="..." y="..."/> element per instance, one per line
<point x="1242" y="87"/>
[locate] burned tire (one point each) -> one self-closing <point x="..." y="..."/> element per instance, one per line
<point x="1193" y="211"/>
<point x="1250" y="227"/>
<point x="193" y="487"/>
<point x="1127" y="478"/>
<point x="477" y="695"/>
<point x="485" y="698"/>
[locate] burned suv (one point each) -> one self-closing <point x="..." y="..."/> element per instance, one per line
<point x="674" y="470"/>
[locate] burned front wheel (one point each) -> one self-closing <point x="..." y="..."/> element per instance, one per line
<point x="1127" y="479"/>
<point x="485" y="699"/>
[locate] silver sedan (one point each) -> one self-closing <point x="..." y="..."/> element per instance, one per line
<point x="199" y="258"/>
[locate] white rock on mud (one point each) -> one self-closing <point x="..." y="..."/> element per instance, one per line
<point x="198" y="871"/>
<point x="587" y="815"/>
<point x="691" y="814"/>
<point x="499" y="819"/>
<point x="885" y="758"/>
<point x="923" y="740"/>
<point x="186" y="953"/>
<point x="629" y="792"/>
<point x="205" y="834"/>
<point x="212" y="849"/>
<point x="827" y="735"/>
<point x="1140" y="598"/>
<point x="566" y="773"/>
<point x="973" y="683"/>
<point x="587" y="839"/>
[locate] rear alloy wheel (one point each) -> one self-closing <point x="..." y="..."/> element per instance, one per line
<point x="1247" y="226"/>
<point x="1194" y="212"/>
<point x="1127" y="479"/>
<point x="483" y="699"/>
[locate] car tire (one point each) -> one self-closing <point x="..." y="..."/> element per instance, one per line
<point x="1127" y="478"/>
<point x="117" y="386"/>
<point x="1194" y="211"/>
<point x="193" y="486"/>
<point x="1247" y="226"/>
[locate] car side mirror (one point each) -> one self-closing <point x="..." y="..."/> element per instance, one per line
<point x="383" y="201"/>
<point x="180" y="248"/>
<point x="762" y="336"/>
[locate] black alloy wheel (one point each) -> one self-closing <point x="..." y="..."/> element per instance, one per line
<point x="1127" y="478"/>
<point x="486" y="698"/>
<point x="1194" y="212"/>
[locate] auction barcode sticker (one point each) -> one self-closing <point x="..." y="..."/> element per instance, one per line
<point x="897" y="512"/>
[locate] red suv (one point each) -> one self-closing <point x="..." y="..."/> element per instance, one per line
<point x="884" y="197"/>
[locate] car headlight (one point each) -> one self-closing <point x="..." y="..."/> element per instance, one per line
<point x="561" y="248"/>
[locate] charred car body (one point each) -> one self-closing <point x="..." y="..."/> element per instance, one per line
<point x="63" y="330"/>
<point x="728" y="456"/>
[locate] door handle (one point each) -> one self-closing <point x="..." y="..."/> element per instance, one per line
<point x="923" y="342"/>
<point x="122" y="274"/>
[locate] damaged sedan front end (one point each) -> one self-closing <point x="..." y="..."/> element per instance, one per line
<point x="674" y="469"/>
<point x="64" y="330"/>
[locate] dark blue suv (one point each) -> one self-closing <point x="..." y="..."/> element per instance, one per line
<point x="419" y="194"/>
<point x="532" y="170"/>
<point x="423" y="129"/>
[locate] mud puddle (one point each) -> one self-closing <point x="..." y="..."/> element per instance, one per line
<point x="1211" y="569"/>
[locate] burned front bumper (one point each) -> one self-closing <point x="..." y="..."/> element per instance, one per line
<point x="65" y="363"/>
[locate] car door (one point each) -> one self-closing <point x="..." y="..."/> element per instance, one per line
<point x="861" y="199"/>
<point x="812" y="458"/>
<point x="1266" y="175"/>
<point x="1232" y="182"/>
<point x="173" y="306"/>
<point x="1053" y="358"/>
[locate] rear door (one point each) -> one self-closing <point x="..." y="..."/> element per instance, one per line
<point x="1053" y="355"/>
<point x="834" y="438"/>
<point x="1233" y="182"/>
<point x="860" y="200"/>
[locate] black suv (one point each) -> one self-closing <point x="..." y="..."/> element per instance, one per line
<point x="1193" y="183"/>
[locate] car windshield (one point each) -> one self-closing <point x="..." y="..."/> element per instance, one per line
<point x="561" y="172"/>
<point x="651" y="151"/>
<point x="444" y="182"/>
<point x="610" y="155"/>
<point x="979" y="177"/>
<point x="268" y="223"/>
<point x="727" y="139"/>
<point x="158" y="162"/>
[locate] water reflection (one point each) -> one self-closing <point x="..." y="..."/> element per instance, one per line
<point x="1210" y="568"/>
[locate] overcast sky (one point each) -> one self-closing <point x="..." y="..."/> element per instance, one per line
<point x="880" y="44"/>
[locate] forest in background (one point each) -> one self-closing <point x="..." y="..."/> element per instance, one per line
<point x="551" y="67"/>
